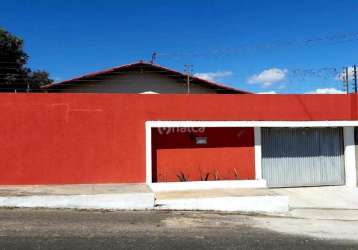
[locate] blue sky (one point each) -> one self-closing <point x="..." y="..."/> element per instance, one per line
<point x="283" y="46"/>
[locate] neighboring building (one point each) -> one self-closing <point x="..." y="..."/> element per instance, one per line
<point x="140" y="77"/>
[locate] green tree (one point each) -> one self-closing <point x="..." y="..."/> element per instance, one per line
<point x="14" y="75"/>
<point x="38" y="78"/>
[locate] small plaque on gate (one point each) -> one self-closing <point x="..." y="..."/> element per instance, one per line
<point x="201" y="140"/>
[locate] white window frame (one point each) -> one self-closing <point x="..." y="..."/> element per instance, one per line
<point x="349" y="150"/>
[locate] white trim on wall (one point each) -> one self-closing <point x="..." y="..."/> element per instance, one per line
<point x="148" y="153"/>
<point x="350" y="157"/>
<point x="205" y="185"/>
<point x="258" y="154"/>
<point x="351" y="175"/>
<point x="252" y="124"/>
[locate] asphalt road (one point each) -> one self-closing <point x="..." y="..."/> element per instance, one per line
<point x="69" y="229"/>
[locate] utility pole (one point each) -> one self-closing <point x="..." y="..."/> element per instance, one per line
<point x="346" y="79"/>
<point x="355" y="78"/>
<point x="189" y="71"/>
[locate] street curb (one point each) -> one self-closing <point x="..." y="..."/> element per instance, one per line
<point x="128" y="201"/>
<point x="252" y="204"/>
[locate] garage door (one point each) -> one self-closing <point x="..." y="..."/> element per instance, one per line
<point x="294" y="157"/>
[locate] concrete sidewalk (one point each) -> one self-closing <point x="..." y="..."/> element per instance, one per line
<point x="339" y="203"/>
<point x="141" y="197"/>
<point x="329" y="197"/>
<point x="330" y="202"/>
<point x="99" y="196"/>
<point x="322" y="203"/>
<point x="228" y="200"/>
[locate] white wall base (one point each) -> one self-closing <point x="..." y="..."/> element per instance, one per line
<point x="350" y="157"/>
<point x="258" y="153"/>
<point x="205" y="185"/>
<point x="252" y="204"/>
<point x="128" y="201"/>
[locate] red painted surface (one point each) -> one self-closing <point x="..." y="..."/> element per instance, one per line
<point x="100" y="138"/>
<point x="228" y="154"/>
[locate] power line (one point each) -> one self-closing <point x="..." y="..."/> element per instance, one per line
<point x="336" y="38"/>
<point x="324" y="71"/>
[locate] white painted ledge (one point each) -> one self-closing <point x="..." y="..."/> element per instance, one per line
<point x="251" y="204"/>
<point x="205" y="185"/>
<point x="128" y="201"/>
<point x="262" y="124"/>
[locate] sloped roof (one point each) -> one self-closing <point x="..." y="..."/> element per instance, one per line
<point x="157" y="68"/>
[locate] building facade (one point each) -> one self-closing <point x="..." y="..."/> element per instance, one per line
<point x="284" y="140"/>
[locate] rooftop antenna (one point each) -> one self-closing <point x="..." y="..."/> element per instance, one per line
<point x="154" y="57"/>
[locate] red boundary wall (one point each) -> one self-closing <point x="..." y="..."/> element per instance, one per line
<point x="100" y="138"/>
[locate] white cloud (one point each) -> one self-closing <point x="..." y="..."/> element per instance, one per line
<point x="149" y="93"/>
<point x="269" y="76"/>
<point x="267" y="93"/>
<point x="326" y="91"/>
<point x="342" y="75"/>
<point x="213" y="76"/>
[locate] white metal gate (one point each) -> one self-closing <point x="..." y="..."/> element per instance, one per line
<point x="294" y="157"/>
